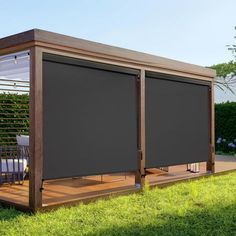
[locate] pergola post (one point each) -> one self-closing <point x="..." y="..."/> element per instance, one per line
<point x="36" y="139"/>
<point x="211" y="159"/>
<point x="140" y="175"/>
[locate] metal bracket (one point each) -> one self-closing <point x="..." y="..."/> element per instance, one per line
<point x="144" y="175"/>
<point x="42" y="188"/>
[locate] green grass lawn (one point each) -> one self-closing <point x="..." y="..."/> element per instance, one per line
<point x="202" y="207"/>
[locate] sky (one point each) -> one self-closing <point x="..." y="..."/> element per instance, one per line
<point x="195" y="31"/>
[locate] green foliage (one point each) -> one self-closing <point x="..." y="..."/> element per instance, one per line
<point x="225" y="79"/>
<point x="14" y="117"/>
<point x="224" y="69"/>
<point x="202" y="207"/>
<point x="225" y="127"/>
<point x="226" y="72"/>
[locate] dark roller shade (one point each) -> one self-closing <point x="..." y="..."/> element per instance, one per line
<point x="177" y="118"/>
<point x="89" y="119"/>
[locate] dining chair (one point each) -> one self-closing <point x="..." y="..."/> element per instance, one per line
<point x="14" y="161"/>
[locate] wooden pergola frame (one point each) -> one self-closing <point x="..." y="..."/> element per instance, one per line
<point x="39" y="42"/>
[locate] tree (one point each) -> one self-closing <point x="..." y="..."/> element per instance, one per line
<point x="226" y="75"/>
<point x="226" y="72"/>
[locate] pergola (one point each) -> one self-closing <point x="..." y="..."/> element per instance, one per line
<point x="96" y="109"/>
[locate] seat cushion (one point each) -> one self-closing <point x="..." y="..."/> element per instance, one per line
<point x="13" y="165"/>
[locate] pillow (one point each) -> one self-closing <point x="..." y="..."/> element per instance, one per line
<point x="22" y="140"/>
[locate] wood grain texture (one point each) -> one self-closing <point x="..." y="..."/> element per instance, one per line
<point x="62" y="42"/>
<point x="17" y="39"/>
<point x="75" y="53"/>
<point x="39" y="41"/>
<point x="211" y="160"/>
<point x="213" y="127"/>
<point x="142" y="137"/>
<point x="71" y="191"/>
<point x="17" y="48"/>
<point x="36" y="136"/>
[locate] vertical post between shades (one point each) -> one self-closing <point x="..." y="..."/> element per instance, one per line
<point x="140" y="176"/>
<point x="211" y="160"/>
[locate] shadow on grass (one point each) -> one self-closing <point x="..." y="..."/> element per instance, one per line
<point x="7" y="214"/>
<point x="215" y="221"/>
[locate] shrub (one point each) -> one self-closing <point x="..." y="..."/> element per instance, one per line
<point x="14" y="117"/>
<point x="225" y="127"/>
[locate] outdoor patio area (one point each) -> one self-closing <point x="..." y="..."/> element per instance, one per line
<point x="57" y="192"/>
<point x="178" y="173"/>
<point x="70" y="120"/>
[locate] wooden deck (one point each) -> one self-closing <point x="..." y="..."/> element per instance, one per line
<point x="69" y="190"/>
<point x="179" y="173"/>
<point x="57" y="192"/>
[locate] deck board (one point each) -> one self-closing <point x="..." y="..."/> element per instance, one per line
<point x="68" y="190"/>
